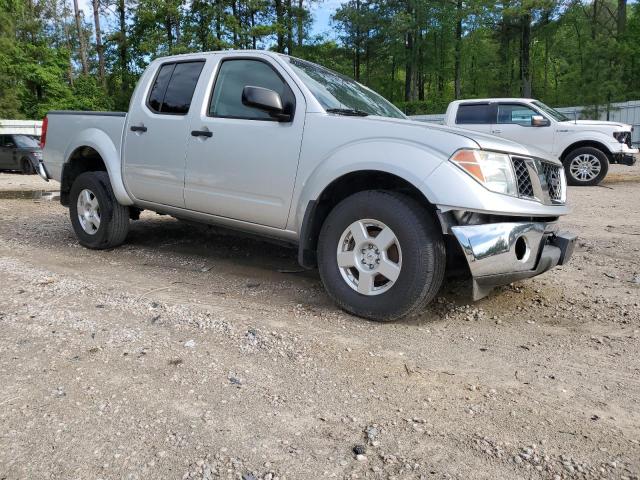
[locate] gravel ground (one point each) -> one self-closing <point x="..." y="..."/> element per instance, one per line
<point x="195" y="353"/>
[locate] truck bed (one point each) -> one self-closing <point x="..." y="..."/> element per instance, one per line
<point x="68" y="130"/>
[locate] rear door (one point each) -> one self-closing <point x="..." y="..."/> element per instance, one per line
<point x="477" y="116"/>
<point x="157" y="131"/>
<point x="245" y="168"/>
<point x="513" y="122"/>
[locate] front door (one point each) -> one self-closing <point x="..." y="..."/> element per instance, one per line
<point x="514" y="123"/>
<point x="156" y="134"/>
<point x="244" y="165"/>
<point x="7" y="152"/>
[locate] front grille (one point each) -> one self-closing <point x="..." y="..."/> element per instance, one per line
<point x="549" y="176"/>
<point x="525" y="187"/>
<point x="552" y="175"/>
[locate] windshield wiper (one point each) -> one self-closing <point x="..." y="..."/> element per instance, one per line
<point x="350" y="112"/>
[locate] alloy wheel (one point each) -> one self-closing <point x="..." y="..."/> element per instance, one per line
<point x="88" y="211"/>
<point x="369" y="257"/>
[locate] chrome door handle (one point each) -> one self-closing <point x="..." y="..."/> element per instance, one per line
<point x="496" y="131"/>
<point x="202" y="133"/>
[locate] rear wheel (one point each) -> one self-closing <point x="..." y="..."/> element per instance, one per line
<point x="98" y="220"/>
<point x="586" y="166"/>
<point x="26" y="168"/>
<point x="380" y="255"/>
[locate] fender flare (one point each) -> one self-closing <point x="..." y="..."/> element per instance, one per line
<point x="409" y="161"/>
<point x="102" y="143"/>
<point x="572" y="142"/>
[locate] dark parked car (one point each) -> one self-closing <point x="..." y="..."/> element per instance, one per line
<point x="19" y="152"/>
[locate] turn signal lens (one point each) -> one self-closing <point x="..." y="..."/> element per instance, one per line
<point x="494" y="170"/>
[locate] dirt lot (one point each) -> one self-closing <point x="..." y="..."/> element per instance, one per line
<point x="190" y="353"/>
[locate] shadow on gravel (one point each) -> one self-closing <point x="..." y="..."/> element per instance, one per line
<point x="213" y="244"/>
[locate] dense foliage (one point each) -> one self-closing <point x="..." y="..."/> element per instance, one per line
<point x="420" y="54"/>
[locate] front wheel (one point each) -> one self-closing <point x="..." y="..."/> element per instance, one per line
<point x="586" y="166"/>
<point x="98" y="220"/>
<point x="380" y="255"/>
<point x="26" y="168"/>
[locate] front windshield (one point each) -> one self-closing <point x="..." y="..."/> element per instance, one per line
<point x="339" y="93"/>
<point x="25" y="141"/>
<point x="556" y="115"/>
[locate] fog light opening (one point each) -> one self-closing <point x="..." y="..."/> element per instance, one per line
<point x="522" y="249"/>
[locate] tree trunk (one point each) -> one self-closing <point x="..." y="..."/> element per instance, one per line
<point x="504" y="56"/>
<point x="81" y="40"/>
<point x="279" y="26"/>
<point x="622" y="17"/>
<point x="254" y="41"/>
<point x="169" y="31"/>
<point x="300" y="19"/>
<point x="218" y="24"/>
<point x="356" y="49"/>
<point x="234" y="11"/>
<point x="458" y="53"/>
<point x="289" y="22"/>
<point x="67" y="40"/>
<point x="122" y="47"/>
<point x="408" y="79"/>
<point x="99" y="45"/>
<point x="525" y="55"/>
<point x="393" y="78"/>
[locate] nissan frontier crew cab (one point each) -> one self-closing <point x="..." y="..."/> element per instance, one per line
<point x="277" y="146"/>
<point x="585" y="147"/>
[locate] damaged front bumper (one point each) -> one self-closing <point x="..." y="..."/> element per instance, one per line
<point x="501" y="253"/>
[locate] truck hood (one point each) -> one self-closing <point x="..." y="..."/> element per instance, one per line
<point x="490" y="142"/>
<point x="614" y="126"/>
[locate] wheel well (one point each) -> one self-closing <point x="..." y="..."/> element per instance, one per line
<point x="585" y="143"/>
<point x="318" y="210"/>
<point x="83" y="159"/>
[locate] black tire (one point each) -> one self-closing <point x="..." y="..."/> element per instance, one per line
<point x="601" y="157"/>
<point x="422" y="247"/>
<point x="114" y="218"/>
<point x="26" y="167"/>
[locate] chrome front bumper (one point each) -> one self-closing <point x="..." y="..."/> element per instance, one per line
<point x="500" y="253"/>
<point x="42" y="171"/>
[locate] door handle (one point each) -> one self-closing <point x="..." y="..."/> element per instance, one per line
<point x="138" y="128"/>
<point x="201" y="133"/>
<point x="496" y="131"/>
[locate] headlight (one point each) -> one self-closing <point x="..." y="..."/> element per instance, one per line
<point x="492" y="169"/>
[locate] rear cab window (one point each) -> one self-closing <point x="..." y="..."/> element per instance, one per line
<point x="476" y="114"/>
<point x="173" y="87"/>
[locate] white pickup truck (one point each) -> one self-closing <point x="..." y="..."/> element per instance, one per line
<point x="585" y="147"/>
<point x="277" y="146"/>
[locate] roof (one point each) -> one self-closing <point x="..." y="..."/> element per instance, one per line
<point x="495" y="100"/>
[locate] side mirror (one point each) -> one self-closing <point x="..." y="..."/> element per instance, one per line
<point x="539" y="121"/>
<point x="267" y="100"/>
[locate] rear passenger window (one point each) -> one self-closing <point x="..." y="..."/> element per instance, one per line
<point x="475" y="113"/>
<point x="173" y="88"/>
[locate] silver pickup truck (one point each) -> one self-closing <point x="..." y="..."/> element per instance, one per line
<point x="277" y="146"/>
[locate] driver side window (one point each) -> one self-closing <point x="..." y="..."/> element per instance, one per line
<point x="233" y="76"/>
<point x="515" y="114"/>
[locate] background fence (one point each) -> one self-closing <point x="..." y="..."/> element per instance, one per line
<point x="624" y="112"/>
